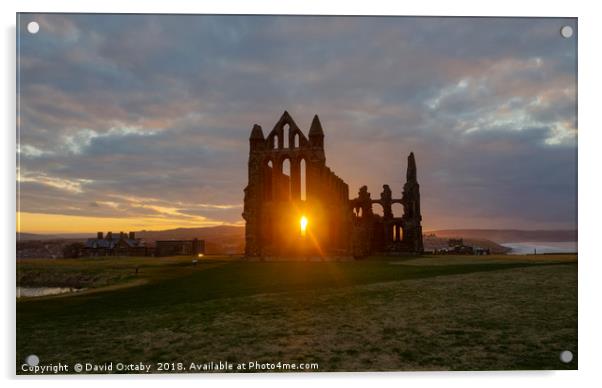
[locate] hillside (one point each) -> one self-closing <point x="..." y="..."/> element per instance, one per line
<point x="432" y="243"/>
<point x="212" y="232"/>
<point x="36" y="237"/>
<point x="222" y="239"/>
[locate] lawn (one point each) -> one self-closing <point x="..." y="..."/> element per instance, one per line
<point x="426" y="313"/>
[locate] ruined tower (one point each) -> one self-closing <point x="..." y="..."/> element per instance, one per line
<point x="412" y="218"/>
<point x="290" y="182"/>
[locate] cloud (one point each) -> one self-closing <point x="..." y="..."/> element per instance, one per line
<point x="116" y="108"/>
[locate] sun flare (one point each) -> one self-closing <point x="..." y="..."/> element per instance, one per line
<point x="303" y="224"/>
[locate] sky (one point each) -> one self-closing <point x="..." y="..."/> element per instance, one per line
<point x="132" y="122"/>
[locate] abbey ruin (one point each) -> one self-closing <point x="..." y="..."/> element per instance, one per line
<point x="295" y="205"/>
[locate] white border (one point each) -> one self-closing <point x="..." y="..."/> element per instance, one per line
<point x="590" y="193"/>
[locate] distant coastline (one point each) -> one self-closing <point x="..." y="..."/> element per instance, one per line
<point x="502" y="236"/>
<point x="529" y="247"/>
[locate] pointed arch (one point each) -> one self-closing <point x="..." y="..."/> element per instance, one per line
<point x="302" y="179"/>
<point x="268" y="168"/>
<point x="286" y="179"/>
<point x="378" y="209"/>
<point x="397" y="209"/>
<point x="286" y="135"/>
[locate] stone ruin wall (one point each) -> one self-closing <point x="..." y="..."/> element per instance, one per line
<point x="338" y="225"/>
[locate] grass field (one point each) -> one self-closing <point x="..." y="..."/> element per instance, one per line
<point x="381" y="314"/>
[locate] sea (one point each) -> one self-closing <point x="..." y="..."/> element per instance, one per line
<point x="530" y="247"/>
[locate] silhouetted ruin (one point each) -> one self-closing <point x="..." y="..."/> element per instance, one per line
<point x="296" y="206"/>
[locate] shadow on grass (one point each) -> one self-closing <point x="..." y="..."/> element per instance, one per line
<point x="243" y="279"/>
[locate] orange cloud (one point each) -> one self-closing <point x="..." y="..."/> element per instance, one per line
<point x="59" y="223"/>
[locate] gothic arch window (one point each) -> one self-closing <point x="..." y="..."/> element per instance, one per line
<point x="286" y="172"/>
<point x="397" y="209"/>
<point x="398" y="233"/>
<point x="303" y="175"/>
<point x="286" y="129"/>
<point x="377" y="208"/>
<point x="296" y="140"/>
<point x="267" y="176"/>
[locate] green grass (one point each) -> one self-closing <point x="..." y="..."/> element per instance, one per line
<point x="458" y="313"/>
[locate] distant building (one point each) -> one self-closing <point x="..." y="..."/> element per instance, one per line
<point x="455" y="242"/>
<point x="115" y="245"/>
<point x="126" y="244"/>
<point x="457" y="247"/>
<point x="179" y="247"/>
<point x="482" y="251"/>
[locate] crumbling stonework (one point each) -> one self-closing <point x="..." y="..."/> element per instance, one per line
<point x="276" y="200"/>
<point x="387" y="233"/>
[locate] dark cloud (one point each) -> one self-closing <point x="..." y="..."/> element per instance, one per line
<point x="150" y="114"/>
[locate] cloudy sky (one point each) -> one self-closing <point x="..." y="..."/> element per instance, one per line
<point x="142" y="122"/>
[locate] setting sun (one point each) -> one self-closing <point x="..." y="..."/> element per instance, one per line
<point x="303" y="224"/>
